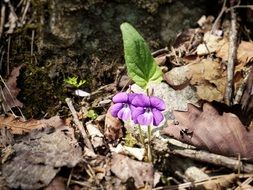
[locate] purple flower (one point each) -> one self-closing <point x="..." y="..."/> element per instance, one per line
<point x="122" y="107"/>
<point x="147" y="110"/>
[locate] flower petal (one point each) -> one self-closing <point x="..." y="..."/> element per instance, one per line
<point x="141" y="100"/>
<point x="131" y="96"/>
<point x="157" y="116"/>
<point x="157" y="103"/>
<point x="145" y="119"/>
<point x="121" y="97"/>
<point x="136" y="111"/>
<point x="116" y="108"/>
<point x="125" y="113"/>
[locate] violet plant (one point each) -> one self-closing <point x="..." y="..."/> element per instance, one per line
<point x="142" y="109"/>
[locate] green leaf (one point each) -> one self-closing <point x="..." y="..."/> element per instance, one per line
<point x="92" y="114"/>
<point x="74" y="81"/>
<point x="141" y="66"/>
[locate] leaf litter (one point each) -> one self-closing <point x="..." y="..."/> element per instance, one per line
<point x="10" y="91"/>
<point x="36" y="152"/>
<point x="197" y="128"/>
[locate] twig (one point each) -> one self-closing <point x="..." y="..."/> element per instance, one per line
<point x="241" y="90"/>
<point x="79" y="124"/>
<point x="201" y="182"/>
<point x="160" y="51"/>
<point x="2" y="19"/>
<point x="85" y="184"/>
<point x="32" y="42"/>
<point x="1" y="60"/>
<point x="240" y="6"/>
<point x="8" y="56"/>
<point x="215" y="159"/>
<point x="223" y="9"/>
<point x="231" y="58"/>
<point x="25" y="11"/>
<point x="69" y="178"/>
<point x="246" y="182"/>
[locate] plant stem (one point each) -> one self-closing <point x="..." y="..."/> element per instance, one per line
<point x="141" y="136"/>
<point x="149" y="146"/>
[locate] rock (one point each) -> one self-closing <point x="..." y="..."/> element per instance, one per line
<point x="39" y="156"/>
<point x="174" y="99"/>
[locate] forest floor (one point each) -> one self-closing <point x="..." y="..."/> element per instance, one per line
<point x="204" y="142"/>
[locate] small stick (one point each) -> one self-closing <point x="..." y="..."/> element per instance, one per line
<point x="70" y="177"/>
<point x="79" y="124"/>
<point x="2" y="19"/>
<point x="160" y="51"/>
<point x="241" y="6"/>
<point x="1" y="60"/>
<point x="33" y="33"/>
<point x="231" y="58"/>
<point x="246" y="182"/>
<point x="223" y="9"/>
<point x="8" y="56"/>
<point x="25" y="11"/>
<point x="201" y="182"/>
<point x="215" y="159"/>
<point x="241" y="90"/>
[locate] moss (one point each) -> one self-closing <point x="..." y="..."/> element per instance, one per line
<point x="37" y="93"/>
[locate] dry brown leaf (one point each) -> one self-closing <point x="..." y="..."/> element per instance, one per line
<point x="223" y="182"/>
<point x="124" y="168"/>
<point x="161" y="59"/>
<point x="212" y="43"/>
<point x="244" y="52"/>
<point x="11" y="91"/>
<point x="17" y="126"/>
<point x="113" y="127"/>
<point x="207" y="129"/>
<point x="207" y="76"/>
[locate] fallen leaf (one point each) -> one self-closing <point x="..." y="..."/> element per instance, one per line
<point x="10" y="91"/>
<point x="222" y="134"/>
<point x="124" y="168"/>
<point x="161" y="59"/>
<point x="212" y="43"/>
<point x="216" y="44"/>
<point x="207" y="76"/>
<point x="223" y="182"/>
<point x="39" y="156"/>
<point x="244" y="52"/>
<point x="17" y="126"/>
<point x="113" y="127"/>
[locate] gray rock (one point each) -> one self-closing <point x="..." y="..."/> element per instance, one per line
<point x="38" y="158"/>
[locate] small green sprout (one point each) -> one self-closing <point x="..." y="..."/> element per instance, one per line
<point x="92" y="114"/>
<point x="74" y="81"/>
